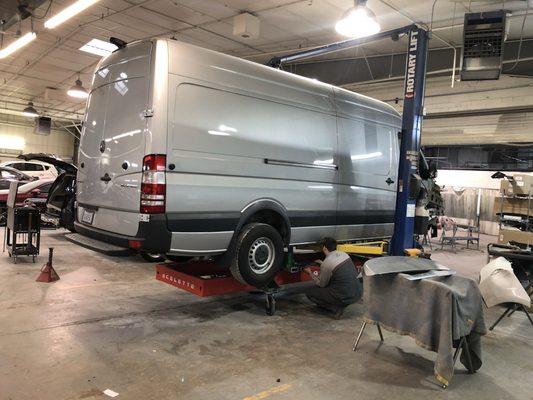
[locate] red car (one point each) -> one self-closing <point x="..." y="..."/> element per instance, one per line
<point x="30" y="188"/>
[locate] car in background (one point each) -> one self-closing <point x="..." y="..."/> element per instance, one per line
<point x="35" y="168"/>
<point x="30" y="187"/>
<point x="8" y="174"/>
<point x="60" y="203"/>
<point x="37" y="197"/>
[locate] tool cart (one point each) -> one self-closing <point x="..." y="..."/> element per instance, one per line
<point x="23" y="229"/>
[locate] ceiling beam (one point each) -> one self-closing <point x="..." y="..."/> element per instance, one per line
<point x="352" y="71"/>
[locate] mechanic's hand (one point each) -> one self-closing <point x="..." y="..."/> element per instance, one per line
<point x="307" y="270"/>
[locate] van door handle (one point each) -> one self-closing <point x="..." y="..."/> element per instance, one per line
<point x="389" y="181"/>
<point x="105" y="178"/>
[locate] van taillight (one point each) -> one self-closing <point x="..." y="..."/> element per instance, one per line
<point x="153" y="184"/>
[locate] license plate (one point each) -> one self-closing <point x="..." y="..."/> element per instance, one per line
<point x="87" y="217"/>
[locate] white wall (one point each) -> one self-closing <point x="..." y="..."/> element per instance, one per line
<point x="60" y="143"/>
<point x="507" y="92"/>
<point x="470" y="179"/>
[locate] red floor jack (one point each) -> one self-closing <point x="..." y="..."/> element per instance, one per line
<point x="205" y="278"/>
<point x="48" y="273"/>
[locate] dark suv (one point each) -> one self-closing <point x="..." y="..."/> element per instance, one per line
<point x="60" y="204"/>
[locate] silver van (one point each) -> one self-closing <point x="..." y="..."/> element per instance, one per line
<point x="189" y="152"/>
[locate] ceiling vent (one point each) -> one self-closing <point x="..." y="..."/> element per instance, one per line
<point x="484" y="35"/>
<point x="246" y="26"/>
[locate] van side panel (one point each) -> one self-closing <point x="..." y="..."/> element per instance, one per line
<point x="237" y="114"/>
<point x="236" y="74"/>
<point x="232" y="148"/>
<point x="223" y="122"/>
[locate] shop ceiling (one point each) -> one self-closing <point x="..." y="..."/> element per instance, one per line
<point x="46" y="68"/>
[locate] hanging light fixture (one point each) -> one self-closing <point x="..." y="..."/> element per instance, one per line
<point x="30" y="111"/>
<point x="78" y="91"/>
<point x="359" y="21"/>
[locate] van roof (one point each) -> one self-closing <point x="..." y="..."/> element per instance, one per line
<point x="268" y="73"/>
<point x="270" y="76"/>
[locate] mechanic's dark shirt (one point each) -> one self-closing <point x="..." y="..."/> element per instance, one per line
<point x="339" y="276"/>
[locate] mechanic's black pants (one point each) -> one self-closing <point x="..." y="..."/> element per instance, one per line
<point x="324" y="299"/>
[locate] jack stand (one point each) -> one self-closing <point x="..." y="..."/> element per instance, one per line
<point x="48" y="273"/>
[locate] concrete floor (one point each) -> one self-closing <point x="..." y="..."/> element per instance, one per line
<point x="109" y="324"/>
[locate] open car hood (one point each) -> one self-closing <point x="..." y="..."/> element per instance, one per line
<point x="19" y="176"/>
<point x="56" y="162"/>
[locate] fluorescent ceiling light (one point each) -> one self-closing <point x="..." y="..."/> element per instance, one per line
<point x="17" y="44"/>
<point x="68" y="13"/>
<point x="78" y="91"/>
<point x="30" y="111"/>
<point x="366" y="156"/>
<point x="359" y="21"/>
<point x="99" y="47"/>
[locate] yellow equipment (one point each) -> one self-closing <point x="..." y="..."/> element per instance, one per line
<point x="367" y="248"/>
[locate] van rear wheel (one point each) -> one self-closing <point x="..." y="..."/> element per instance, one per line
<point x="258" y="255"/>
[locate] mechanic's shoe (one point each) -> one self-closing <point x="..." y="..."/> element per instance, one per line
<point x="338" y="313"/>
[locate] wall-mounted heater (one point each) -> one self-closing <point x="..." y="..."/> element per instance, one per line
<point x="484" y="35"/>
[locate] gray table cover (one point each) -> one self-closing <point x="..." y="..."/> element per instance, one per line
<point x="436" y="312"/>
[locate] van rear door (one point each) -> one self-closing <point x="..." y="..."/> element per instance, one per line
<point x="113" y="141"/>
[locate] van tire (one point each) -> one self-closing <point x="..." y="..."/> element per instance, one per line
<point x="258" y="255"/>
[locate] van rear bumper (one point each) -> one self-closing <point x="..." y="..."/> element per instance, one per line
<point x="152" y="236"/>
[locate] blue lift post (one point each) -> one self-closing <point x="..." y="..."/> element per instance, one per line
<point x="413" y="109"/>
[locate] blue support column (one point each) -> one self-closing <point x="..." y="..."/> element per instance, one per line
<point x="413" y="108"/>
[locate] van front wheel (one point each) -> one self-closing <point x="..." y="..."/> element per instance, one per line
<point x="258" y="255"/>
